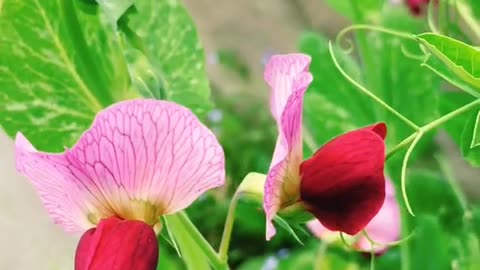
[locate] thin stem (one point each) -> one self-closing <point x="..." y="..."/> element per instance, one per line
<point x="444" y="166"/>
<point x="430" y="19"/>
<point x="207" y="249"/>
<point x="405" y="248"/>
<point x="442" y="15"/>
<point x="364" y="49"/>
<point x="453" y="114"/>
<point x="418" y="136"/>
<point x="466" y="14"/>
<point x="227" y="231"/>
<point x="434" y="124"/>
<point x="368" y="93"/>
<point x="375" y="28"/>
<point x="322" y="250"/>
<point x="401" y="145"/>
<point x="389" y="244"/>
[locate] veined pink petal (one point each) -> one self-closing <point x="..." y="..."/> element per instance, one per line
<point x="63" y="189"/>
<point x="289" y="78"/>
<point x="286" y="74"/>
<point x="139" y="160"/>
<point x="384" y="228"/>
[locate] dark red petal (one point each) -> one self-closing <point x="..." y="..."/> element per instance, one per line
<point x="380" y="129"/>
<point x="343" y="183"/>
<point x="118" y="245"/>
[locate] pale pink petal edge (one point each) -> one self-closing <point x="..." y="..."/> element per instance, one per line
<point x="291" y="71"/>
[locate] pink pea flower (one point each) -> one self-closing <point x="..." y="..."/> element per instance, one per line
<point x="139" y="160"/>
<point x="383" y="229"/>
<point x="342" y="184"/>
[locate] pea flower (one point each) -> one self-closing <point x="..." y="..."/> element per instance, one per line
<point x="383" y="229"/>
<point x="139" y="160"/>
<point x="342" y="184"/>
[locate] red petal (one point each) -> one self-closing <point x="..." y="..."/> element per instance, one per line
<point x="118" y="245"/>
<point x="343" y="183"/>
<point x="380" y="129"/>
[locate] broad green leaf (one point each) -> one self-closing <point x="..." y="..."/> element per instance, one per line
<point x="192" y="255"/>
<point x="60" y="63"/>
<point x="471" y="140"/>
<point x="442" y="70"/>
<point x="165" y="33"/>
<point x="461" y="58"/>
<point x="332" y="104"/>
<point x="115" y="8"/>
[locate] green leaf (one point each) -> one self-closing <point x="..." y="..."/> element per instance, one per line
<point x="471" y="140"/>
<point x="60" y="63"/>
<point x="165" y="33"/>
<point x="192" y="254"/>
<point x="284" y="224"/>
<point x="115" y="8"/>
<point x="442" y="70"/>
<point x="461" y="58"/>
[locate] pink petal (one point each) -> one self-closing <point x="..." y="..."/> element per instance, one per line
<point x="318" y="230"/>
<point x="384" y="228"/>
<point x="139" y="160"/>
<point x="289" y="78"/>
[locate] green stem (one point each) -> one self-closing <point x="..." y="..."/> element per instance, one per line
<point x="368" y="93"/>
<point x="406" y="142"/>
<point x="430" y="19"/>
<point x="322" y="250"/>
<point x="412" y="140"/>
<point x="466" y="14"/>
<point x="227" y="231"/>
<point x="364" y="50"/>
<point x="401" y="145"/>
<point x="344" y="31"/>
<point x="453" y="114"/>
<point x="417" y="138"/>
<point x="207" y="249"/>
<point x="405" y="248"/>
<point x="444" y="166"/>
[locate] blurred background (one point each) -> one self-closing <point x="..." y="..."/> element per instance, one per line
<point x="238" y="37"/>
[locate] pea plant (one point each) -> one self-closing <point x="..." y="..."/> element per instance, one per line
<point x="352" y="164"/>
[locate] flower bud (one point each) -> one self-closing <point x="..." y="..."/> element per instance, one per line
<point x="117" y="244"/>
